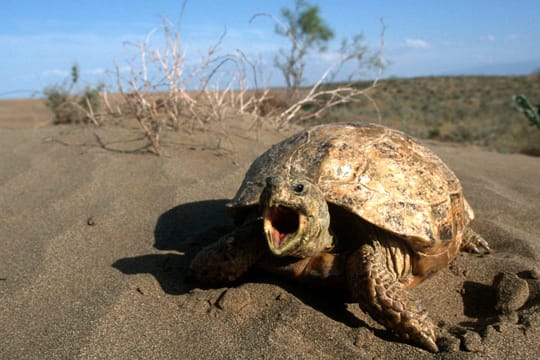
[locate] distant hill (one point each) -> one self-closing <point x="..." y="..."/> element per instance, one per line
<point x="467" y="109"/>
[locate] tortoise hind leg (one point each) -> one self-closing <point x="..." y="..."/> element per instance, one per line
<point x="474" y="243"/>
<point x="231" y="256"/>
<point x="374" y="283"/>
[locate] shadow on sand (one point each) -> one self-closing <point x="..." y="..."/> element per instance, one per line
<point x="180" y="232"/>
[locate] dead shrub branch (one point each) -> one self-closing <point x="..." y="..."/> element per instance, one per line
<point x="162" y="90"/>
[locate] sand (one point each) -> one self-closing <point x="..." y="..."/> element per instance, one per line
<point x="96" y="243"/>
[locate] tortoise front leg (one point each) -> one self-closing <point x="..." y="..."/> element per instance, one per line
<point x="232" y="255"/>
<point x="373" y="274"/>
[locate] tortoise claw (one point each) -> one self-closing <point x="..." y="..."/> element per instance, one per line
<point x="474" y="243"/>
<point x="418" y="328"/>
<point x="428" y="342"/>
<point x="483" y="244"/>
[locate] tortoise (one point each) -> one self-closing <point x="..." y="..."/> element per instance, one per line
<point x="357" y="206"/>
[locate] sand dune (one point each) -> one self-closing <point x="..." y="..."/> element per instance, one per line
<point x="95" y="246"/>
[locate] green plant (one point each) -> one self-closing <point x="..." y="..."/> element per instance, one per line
<point x="434" y="133"/>
<point x="92" y="97"/>
<point x="55" y="97"/>
<point x="305" y="29"/>
<point x="73" y="108"/>
<point x="532" y="112"/>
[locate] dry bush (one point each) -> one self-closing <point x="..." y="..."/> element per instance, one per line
<point x="162" y="92"/>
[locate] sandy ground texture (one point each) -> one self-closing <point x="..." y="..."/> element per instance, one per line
<point x="96" y="242"/>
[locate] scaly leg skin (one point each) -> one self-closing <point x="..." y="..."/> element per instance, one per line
<point x="474" y="243"/>
<point x="232" y="255"/>
<point x="373" y="276"/>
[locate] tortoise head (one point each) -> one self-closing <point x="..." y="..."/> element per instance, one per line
<point x="296" y="217"/>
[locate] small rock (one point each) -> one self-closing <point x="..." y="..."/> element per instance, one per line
<point x="471" y="341"/>
<point x="510" y="318"/>
<point x="281" y="296"/>
<point x="233" y="299"/>
<point x="531" y="319"/>
<point x="535" y="274"/>
<point x="512" y="292"/>
<point x="363" y="338"/>
<point x="489" y="332"/>
<point x="503" y="327"/>
<point x="448" y="343"/>
<point x="90" y="221"/>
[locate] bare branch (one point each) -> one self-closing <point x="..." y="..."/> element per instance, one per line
<point x="285" y="29"/>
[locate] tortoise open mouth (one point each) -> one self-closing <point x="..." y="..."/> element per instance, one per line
<point x="280" y="224"/>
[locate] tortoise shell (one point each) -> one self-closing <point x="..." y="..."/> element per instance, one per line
<point x="379" y="174"/>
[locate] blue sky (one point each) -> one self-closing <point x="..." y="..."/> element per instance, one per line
<point x="40" y="40"/>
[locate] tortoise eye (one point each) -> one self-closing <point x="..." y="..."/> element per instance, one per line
<point x="298" y="188"/>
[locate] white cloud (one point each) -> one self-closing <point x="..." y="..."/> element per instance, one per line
<point x="329" y="57"/>
<point x="124" y="68"/>
<point x="513" y="37"/>
<point x="95" y="71"/>
<point x="488" y="37"/>
<point x="417" y="44"/>
<point x="54" y="73"/>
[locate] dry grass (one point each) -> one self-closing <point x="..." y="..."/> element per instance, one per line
<point x="470" y="109"/>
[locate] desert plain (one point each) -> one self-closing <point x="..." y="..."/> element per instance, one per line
<point x="96" y="237"/>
